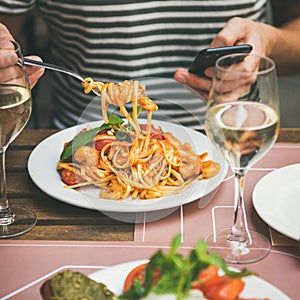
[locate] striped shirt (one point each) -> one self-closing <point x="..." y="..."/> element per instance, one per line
<point x="114" y="40"/>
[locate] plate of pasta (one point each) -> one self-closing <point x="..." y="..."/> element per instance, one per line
<point x="127" y="164"/>
<point x="40" y="164"/>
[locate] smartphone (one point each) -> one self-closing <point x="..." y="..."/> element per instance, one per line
<point x="208" y="57"/>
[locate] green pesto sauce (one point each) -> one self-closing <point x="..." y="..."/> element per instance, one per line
<point x="77" y="286"/>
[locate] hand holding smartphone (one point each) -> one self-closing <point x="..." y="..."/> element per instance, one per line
<point x="208" y="57"/>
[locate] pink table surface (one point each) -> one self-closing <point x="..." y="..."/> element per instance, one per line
<point x="28" y="263"/>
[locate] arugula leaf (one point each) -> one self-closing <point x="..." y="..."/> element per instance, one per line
<point x="175" y="245"/>
<point x="216" y="260"/>
<point x="85" y="137"/>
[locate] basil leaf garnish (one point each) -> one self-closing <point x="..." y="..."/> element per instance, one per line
<point x="123" y="136"/>
<point x="78" y="141"/>
<point x="85" y="137"/>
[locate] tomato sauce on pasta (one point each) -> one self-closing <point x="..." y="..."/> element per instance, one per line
<point x="132" y="159"/>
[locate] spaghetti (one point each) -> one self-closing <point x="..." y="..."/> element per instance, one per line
<point x="131" y="159"/>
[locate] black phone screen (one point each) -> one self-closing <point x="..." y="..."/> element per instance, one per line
<point x="208" y="57"/>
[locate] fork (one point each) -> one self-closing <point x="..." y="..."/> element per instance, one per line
<point x="32" y="62"/>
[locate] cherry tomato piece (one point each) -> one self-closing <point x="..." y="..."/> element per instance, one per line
<point x="99" y="144"/>
<point x="227" y="289"/>
<point x="139" y="273"/>
<point x="69" y="177"/>
<point x="136" y="273"/>
<point x="155" y="133"/>
<point x="207" y="279"/>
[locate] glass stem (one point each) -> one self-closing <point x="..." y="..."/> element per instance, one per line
<point x="6" y="216"/>
<point x="239" y="230"/>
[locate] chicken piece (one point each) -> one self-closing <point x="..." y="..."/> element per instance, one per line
<point x="209" y="168"/>
<point x="87" y="156"/>
<point x="190" y="160"/>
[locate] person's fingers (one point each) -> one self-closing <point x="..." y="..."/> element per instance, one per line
<point x="34" y="72"/>
<point x="233" y="33"/>
<point x="239" y="31"/>
<point x="34" y="77"/>
<point x="196" y="82"/>
<point x="4" y="33"/>
<point x="8" y="57"/>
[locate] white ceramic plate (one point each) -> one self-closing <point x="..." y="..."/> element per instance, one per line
<point x="255" y="287"/>
<point x="276" y="198"/>
<point x="42" y="170"/>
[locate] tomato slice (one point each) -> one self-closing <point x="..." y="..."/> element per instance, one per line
<point x="227" y="289"/>
<point x="99" y="144"/>
<point x="155" y="133"/>
<point x="136" y="273"/>
<point x="69" y="177"/>
<point x="207" y="279"/>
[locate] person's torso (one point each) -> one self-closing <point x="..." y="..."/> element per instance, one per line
<point x="120" y="39"/>
<point x="117" y="40"/>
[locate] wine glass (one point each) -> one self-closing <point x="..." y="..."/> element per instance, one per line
<point x="15" y="110"/>
<point x="242" y="120"/>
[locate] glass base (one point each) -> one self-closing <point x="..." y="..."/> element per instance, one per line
<point x="17" y="222"/>
<point x="255" y="248"/>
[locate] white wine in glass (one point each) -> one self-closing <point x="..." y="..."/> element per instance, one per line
<point x="242" y="121"/>
<point x="15" y="110"/>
